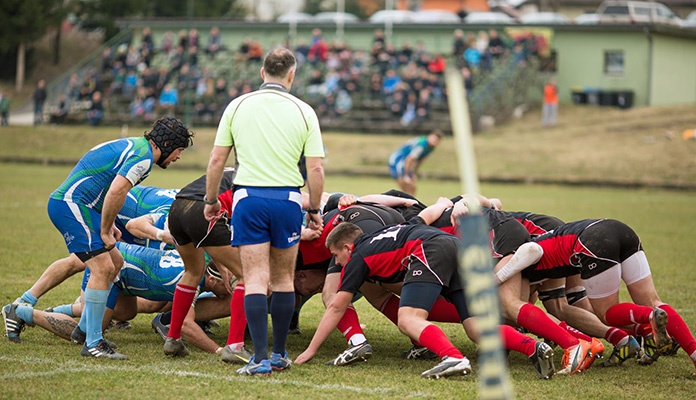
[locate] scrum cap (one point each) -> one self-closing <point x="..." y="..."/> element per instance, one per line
<point x="169" y="134"/>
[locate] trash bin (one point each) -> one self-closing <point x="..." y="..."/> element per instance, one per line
<point x="624" y="98"/>
<point x="607" y="98"/>
<point x="578" y="96"/>
<point x="592" y="96"/>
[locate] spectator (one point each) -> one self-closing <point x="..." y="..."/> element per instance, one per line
<point x="319" y="49"/>
<point x="39" y="100"/>
<point x="410" y="111"/>
<point x="468" y="82"/>
<point x="61" y="112"/>
<point x="255" y="53"/>
<point x="437" y="65"/>
<point x="143" y="105"/>
<point x="193" y="57"/>
<point x="549" y="110"/>
<point x="301" y="51"/>
<point x="73" y="89"/>
<point x="193" y="39"/>
<point x="95" y="113"/>
<point x="495" y="44"/>
<point x="146" y="41"/>
<point x="183" y="39"/>
<point x="4" y="109"/>
<point x="168" y="100"/>
<point x="129" y="83"/>
<point x="168" y="42"/>
<point x="214" y="42"/>
<point x="472" y="56"/>
<point x="206" y="105"/>
<point x="458" y="46"/>
<point x="391" y="81"/>
<point x="423" y="105"/>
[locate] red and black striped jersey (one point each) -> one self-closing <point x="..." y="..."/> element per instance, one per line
<point x="560" y="248"/>
<point x="383" y="256"/>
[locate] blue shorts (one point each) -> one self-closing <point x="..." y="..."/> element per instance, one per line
<point x="261" y="215"/>
<point x="79" y="225"/>
<point x="396" y="167"/>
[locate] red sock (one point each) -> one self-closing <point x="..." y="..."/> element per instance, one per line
<point x="576" y="333"/>
<point x="677" y="328"/>
<point x="624" y="314"/>
<point x="390" y="309"/>
<point x="517" y="341"/>
<point x="615" y="335"/>
<point x="183" y="297"/>
<point x="443" y="311"/>
<point x="642" y="329"/>
<point x="536" y="321"/>
<point x="349" y="324"/>
<point x="238" y="320"/>
<point x="434" y="339"/>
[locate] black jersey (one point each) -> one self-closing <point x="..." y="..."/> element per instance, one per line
<point x="384" y="255"/>
<point x="196" y="189"/>
<point x="369" y="217"/>
<point x="537" y="224"/>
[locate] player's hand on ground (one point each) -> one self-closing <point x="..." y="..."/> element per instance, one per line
<point x="304" y="357"/>
<point x="212" y="211"/>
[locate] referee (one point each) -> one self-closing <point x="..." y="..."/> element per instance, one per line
<point x="270" y="130"/>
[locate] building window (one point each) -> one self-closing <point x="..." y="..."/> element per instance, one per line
<point x="614" y="62"/>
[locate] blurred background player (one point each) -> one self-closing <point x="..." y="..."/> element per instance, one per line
<point x="404" y="162"/>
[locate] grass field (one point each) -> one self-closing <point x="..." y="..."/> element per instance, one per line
<point x="47" y="367"/>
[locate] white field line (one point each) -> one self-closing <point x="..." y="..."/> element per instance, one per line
<point x="165" y="369"/>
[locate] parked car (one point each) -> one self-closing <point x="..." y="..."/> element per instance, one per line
<point x="690" y="21"/>
<point x="484" y="17"/>
<point x="335" y="17"/>
<point x="544" y="18"/>
<point x="587" y="19"/>
<point x="636" y="12"/>
<point x="436" y="17"/>
<point x="393" y="16"/>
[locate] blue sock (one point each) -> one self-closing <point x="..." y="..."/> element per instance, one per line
<point x="93" y="314"/>
<point x="256" y="309"/>
<point x="64" y="309"/>
<point x="26" y="313"/>
<point x="282" y="307"/>
<point x="27" y="297"/>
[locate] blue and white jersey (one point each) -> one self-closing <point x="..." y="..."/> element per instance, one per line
<point x="418" y="148"/>
<point x="150" y="273"/>
<point x="91" y="178"/>
<point x="144" y="200"/>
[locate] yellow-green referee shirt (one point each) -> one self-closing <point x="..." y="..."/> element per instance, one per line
<point x="270" y="129"/>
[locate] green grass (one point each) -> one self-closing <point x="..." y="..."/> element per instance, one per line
<point x="47" y="367"/>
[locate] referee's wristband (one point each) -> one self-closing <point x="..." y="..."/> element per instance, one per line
<point x="313" y="211"/>
<point x="209" y="202"/>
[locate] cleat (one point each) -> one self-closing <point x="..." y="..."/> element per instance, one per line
<point x="658" y="323"/>
<point x="160" y="328"/>
<point x="448" y="367"/>
<point x="13" y="324"/>
<point x="102" y="350"/>
<point x="542" y="359"/>
<point x="353" y="354"/>
<point x="649" y="351"/>
<point x="79" y="337"/>
<point x="596" y="351"/>
<point x="573" y="360"/>
<point x="205" y="326"/>
<point x="673" y="349"/>
<point x="175" y="348"/>
<point x="262" y="368"/>
<point x="622" y="353"/>
<point x="418" y="353"/>
<point x="241" y="356"/>
<point x="121" y="325"/>
<point x="280" y="362"/>
<point x="49" y="310"/>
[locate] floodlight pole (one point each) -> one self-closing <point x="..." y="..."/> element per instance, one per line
<point x="340" y="9"/>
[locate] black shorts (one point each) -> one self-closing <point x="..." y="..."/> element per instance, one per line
<point x="507" y="237"/>
<point x="603" y="245"/>
<point x="187" y="224"/>
<point x="439" y="266"/>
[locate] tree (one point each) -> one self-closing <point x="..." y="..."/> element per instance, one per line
<point x="24" y="21"/>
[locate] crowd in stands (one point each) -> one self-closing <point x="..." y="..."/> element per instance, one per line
<point x="140" y="81"/>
